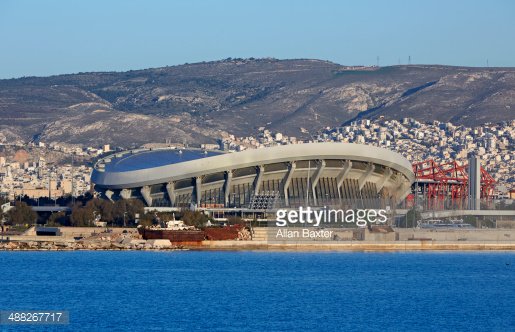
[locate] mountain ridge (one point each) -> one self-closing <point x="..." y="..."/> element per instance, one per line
<point x="197" y="103"/>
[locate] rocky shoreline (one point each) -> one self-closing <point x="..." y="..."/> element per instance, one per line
<point x="73" y="246"/>
<point x="94" y="241"/>
<point x="166" y="245"/>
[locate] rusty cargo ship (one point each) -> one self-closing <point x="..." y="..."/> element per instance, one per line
<point x="179" y="234"/>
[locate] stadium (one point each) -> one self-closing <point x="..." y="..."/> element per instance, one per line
<point x="286" y="176"/>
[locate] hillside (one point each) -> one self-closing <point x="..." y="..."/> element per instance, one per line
<point x="196" y="103"/>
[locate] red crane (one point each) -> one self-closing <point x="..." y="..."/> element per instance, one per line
<point x="449" y="180"/>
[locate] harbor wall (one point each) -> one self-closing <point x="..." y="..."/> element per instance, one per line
<point x="457" y="235"/>
<point x="347" y="240"/>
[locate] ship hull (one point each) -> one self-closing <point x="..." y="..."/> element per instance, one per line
<point x="223" y="233"/>
<point x="189" y="237"/>
<point x="182" y="237"/>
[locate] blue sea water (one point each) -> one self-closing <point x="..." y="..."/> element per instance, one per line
<point x="263" y="291"/>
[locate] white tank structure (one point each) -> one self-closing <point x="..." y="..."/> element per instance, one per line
<point x="285" y="176"/>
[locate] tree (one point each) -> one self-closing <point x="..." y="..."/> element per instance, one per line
<point x="81" y="215"/>
<point x="472" y="220"/>
<point x="235" y="220"/>
<point x="146" y="219"/>
<point x="102" y="207"/>
<point x="57" y="219"/>
<point x="194" y="218"/>
<point x="125" y="210"/>
<point x="412" y="217"/>
<point x="21" y="214"/>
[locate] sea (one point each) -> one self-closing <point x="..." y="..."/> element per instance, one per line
<point x="262" y="291"/>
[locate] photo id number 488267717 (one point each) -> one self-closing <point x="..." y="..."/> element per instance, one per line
<point x="37" y="317"/>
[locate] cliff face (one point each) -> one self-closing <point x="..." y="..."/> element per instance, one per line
<point x="195" y="103"/>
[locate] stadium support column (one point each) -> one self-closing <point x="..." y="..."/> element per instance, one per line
<point x="406" y="190"/>
<point x="401" y="190"/>
<point x="474" y="183"/>
<point x="109" y="194"/>
<point x="145" y="192"/>
<point x="170" y="189"/>
<point x="387" y="175"/>
<point x="347" y="166"/>
<point x="198" y="190"/>
<point x="259" y="178"/>
<point x="125" y="193"/>
<point x="227" y="187"/>
<point x="363" y="179"/>
<point x="315" y="179"/>
<point x="287" y="182"/>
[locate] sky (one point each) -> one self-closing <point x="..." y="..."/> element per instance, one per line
<point x="41" y="38"/>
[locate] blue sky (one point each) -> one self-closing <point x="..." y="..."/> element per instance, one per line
<point x="39" y="38"/>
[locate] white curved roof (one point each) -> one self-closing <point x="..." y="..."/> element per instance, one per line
<point x="255" y="157"/>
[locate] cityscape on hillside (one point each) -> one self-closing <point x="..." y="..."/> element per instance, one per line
<point x="417" y="141"/>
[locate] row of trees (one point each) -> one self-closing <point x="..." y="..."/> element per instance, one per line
<point x="119" y="213"/>
<point x="85" y="212"/>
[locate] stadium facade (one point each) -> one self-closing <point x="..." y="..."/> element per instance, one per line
<point x="286" y="176"/>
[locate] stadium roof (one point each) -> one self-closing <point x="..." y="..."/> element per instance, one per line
<point x="154" y="158"/>
<point x="143" y="167"/>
